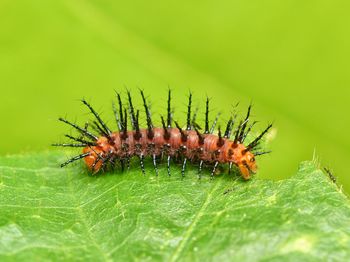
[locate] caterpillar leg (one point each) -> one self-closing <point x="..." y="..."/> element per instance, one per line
<point x="183" y="167"/>
<point x="200" y="169"/>
<point x="155" y="164"/>
<point x="168" y="165"/>
<point x="142" y="164"/>
<point x="214" y="169"/>
<point x="230" y="168"/>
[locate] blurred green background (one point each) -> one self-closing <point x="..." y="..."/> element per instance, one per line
<point x="291" y="58"/>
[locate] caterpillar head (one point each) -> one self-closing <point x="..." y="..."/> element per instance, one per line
<point x="242" y="158"/>
<point x="93" y="161"/>
<point x="247" y="165"/>
<point x="98" y="156"/>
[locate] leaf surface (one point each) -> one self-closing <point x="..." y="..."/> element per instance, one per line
<point x="51" y="213"/>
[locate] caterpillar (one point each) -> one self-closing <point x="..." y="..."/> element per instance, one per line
<point x="103" y="149"/>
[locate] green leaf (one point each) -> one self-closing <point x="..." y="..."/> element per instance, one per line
<point x="51" y="213"/>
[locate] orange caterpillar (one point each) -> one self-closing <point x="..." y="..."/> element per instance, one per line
<point x="167" y="142"/>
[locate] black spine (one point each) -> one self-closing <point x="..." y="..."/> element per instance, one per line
<point x="248" y="130"/>
<point x="75" y="159"/>
<point x="132" y="111"/>
<point x="117" y="120"/>
<point x="125" y="130"/>
<point x="183" y="135"/>
<point x="200" y="137"/>
<point x="237" y="132"/>
<point x="214" y="123"/>
<point x="169" y="120"/>
<point x="104" y="126"/>
<point x="81" y="140"/>
<point x="99" y="129"/>
<point x="255" y="142"/>
<point x="137" y="134"/>
<point x="83" y="131"/>
<point x="166" y="132"/>
<point x="150" y="133"/>
<point x="221" y="141"/>
<point x="245" y="122"/>
<point x="228" y="128"/>
<point x="261" y="153"/>
<point x="121" y="111"/>
<point x="70" y="145"/>
<point x="206" y="131"/>
<point x="189" y="112"/>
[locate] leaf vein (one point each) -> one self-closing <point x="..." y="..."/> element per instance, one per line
<point x="187" y="234"/>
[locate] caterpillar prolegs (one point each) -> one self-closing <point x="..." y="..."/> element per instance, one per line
<point x="104" y="149"/>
